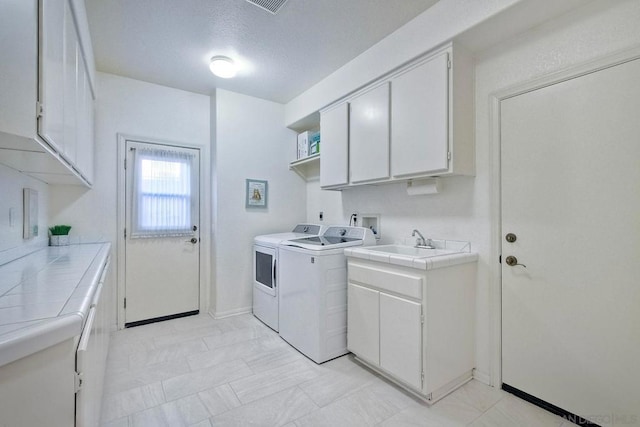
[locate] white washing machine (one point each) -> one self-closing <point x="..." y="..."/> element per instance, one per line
<point x="313" y="291"/>
<point x="265" y="270"/>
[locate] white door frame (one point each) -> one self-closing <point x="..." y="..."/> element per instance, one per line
<point x="496" y="180"/>
<point x="205" y="232"/>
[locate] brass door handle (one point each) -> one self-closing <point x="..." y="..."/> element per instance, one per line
<point x="513" y="261"/>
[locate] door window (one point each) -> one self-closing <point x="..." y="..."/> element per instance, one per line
<point x="162" y="193"/>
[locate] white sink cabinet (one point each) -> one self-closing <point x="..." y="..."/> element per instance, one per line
<point x="415" y="326"/>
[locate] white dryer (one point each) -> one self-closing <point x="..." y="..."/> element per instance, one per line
<point x="313" y="291"/>
<point x="265" y="271"/>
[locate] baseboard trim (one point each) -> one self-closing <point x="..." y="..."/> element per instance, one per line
<point x="229" y="313"/>
<point x="573" y="418"/>
<point x="483" y="377"/>
<point x="161" y="319"/>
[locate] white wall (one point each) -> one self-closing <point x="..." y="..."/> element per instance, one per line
<point x="437" y="25"/>
<point x="463" y="210"/>
<point x="12" y="244"/>
<point x="250" y="142"/>
<point x="135" y="108"/>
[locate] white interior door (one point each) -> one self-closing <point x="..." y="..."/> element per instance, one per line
<point x="162" y="237"/>
<point x="570" y="165"/>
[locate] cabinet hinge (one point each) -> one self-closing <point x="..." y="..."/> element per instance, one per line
<point x="500" y="258"/>
<point x="125" y="233"/>
<point x="448" y="155"/>
<point x="448" y="63"/>
<point x="125" y="303"/>
<point x="78" y="381"/>
<point x="422" y="319"/>
<point x="422" y="379"/>
<point x="39" y="110"/>
<point x="125" y="164"/>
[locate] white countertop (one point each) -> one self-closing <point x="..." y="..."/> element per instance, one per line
<point x="45" y="297"/>
<point x="441" y="260"/>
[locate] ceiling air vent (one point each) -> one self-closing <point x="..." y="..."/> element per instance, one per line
<point x="272" y="6"/>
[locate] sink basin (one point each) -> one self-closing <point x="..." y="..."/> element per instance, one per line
<point x="409" y="251"/>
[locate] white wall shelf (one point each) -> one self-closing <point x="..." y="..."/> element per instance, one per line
<point x="308" y="167"/>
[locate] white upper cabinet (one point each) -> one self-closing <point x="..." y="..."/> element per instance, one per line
<point x="369" y="135"/>
<point x="52" y="79"/>
<point x="84" y="129"/>
<point x="71" y="69"/>
<point x="46" y="111"/>
<point x="415" y="122"/>
<point x="419" y="117"/>
<point x="334" y="157"/>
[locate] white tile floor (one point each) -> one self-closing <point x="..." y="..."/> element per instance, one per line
<point x="197" y="371"/>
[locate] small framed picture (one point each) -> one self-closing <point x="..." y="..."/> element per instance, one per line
<point x="257" y="194"/>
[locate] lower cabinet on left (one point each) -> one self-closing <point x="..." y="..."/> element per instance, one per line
<point x="39" y="390"/>
<point x="62" y="384"/>
<point x="91" y="355"/>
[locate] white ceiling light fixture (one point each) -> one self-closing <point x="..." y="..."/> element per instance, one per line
<point x="223" y="66"/>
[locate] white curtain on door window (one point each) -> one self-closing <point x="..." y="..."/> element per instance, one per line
<point x="162" y="204"/>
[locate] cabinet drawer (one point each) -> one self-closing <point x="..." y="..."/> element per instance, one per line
<point x="400" y="283"/>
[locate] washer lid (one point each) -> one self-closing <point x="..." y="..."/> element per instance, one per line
<point x="334" y="238"/>
<point x="300" y="230"/>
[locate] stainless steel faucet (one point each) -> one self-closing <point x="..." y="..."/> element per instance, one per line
<point x="421" y="241"/>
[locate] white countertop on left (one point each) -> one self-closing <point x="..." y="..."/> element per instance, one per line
<point x="45" y="297"/>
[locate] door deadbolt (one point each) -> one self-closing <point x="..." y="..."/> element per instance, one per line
<point x="193" y="240"/>
<point x="195" y="228"/>
<point x="511" y="237"/>
<point x="513" y="261"/>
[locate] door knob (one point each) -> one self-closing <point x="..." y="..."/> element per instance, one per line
<point x="513" y="261"/>
<point x="193" y="240"/>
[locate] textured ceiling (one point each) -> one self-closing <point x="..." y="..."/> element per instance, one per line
<point x="170" y="42"/>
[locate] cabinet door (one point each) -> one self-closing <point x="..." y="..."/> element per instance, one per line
<point x="369" y="135"/>
<point x="85" y="124"/>
<point x="401" y="339"/>
<point x="334" y="157"/>
<point x="52" y="69"/>
<point x="363" y="320"/>
<point x="71" y="55"/>
<point x="419" y="119"/>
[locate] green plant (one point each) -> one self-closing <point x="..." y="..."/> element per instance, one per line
<point x="59" y="230"/>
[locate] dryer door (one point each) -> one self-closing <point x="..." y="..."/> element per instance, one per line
<point x="264" y="269"/>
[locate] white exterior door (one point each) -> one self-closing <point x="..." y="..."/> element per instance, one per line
<point x="162" y="236"/>
<point x="570" y="164"/>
